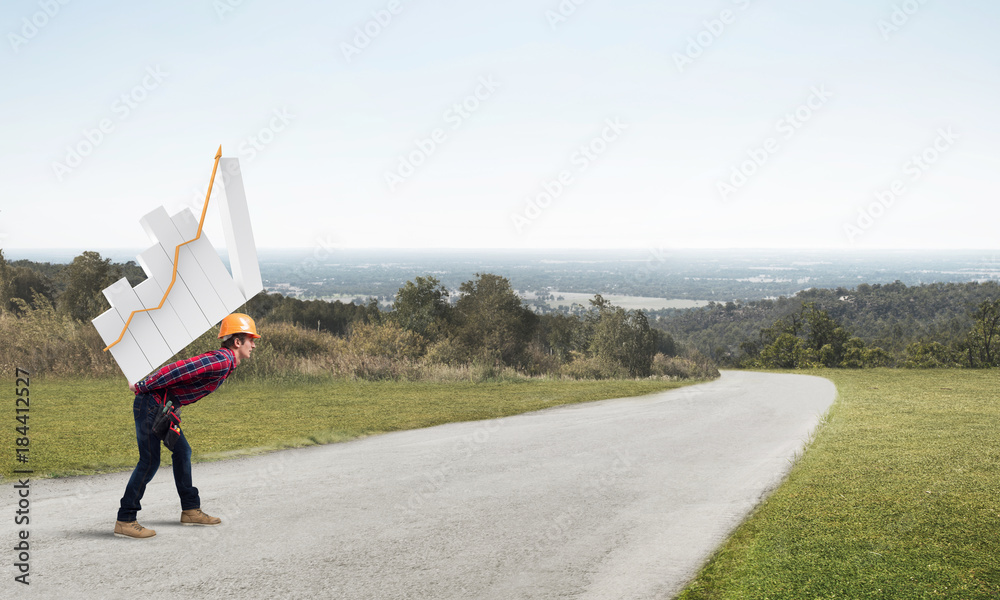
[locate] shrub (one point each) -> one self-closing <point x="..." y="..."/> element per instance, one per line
<point x="930" y="355"/>
<point x="623" y="338"/>
<point x="540" y="362"/>
<point x="386" y="340"/>
<point x="492" y="371"/>
<point x="857" y="356"/>
<point x="786" y="352"/>
<point x="592" y="368"/>
<point x="698" y="366"/>
<point x="44" y="341"/>
<point x="446" y="352"/>
<point x="289" y="340"/>
<point x="375" y="368"/>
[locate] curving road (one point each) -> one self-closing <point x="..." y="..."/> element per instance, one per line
<point x="614" y="499"/>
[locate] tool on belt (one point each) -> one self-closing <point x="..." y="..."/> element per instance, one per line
<point x="167" y="423"/>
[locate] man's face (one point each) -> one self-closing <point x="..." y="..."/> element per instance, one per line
<point x="244" y="348"/>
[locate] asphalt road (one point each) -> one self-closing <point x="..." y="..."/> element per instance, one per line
<point x="614" y="499"/>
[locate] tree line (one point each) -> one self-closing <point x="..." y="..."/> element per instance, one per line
<point x="929" y="325"/>
<point x="485" y="322"/>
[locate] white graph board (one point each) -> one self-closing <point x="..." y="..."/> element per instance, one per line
<point x="203" y="291"/>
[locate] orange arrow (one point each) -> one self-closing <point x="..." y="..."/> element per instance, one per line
<point x="177" y="253"/>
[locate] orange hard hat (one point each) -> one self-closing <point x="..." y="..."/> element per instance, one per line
<point x="238" y="323"/>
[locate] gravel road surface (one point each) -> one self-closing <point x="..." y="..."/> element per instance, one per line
<point x="615" y="499"/>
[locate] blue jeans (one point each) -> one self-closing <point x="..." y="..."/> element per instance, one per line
<point x="144" y="409"/>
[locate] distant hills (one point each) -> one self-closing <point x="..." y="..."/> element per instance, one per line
<point x="706" y="275"/>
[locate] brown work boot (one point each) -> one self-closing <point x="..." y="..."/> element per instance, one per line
<point x="132" y="529"/>
<point x="196" y="517"/>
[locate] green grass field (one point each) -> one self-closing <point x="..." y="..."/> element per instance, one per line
<point x="898" y="497"/>
<point x="80" y="426"/>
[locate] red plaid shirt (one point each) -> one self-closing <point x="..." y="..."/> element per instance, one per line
<point x="191" y="379"/>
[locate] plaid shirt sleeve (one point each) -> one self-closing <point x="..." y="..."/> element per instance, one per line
<point x="202" y="368"/>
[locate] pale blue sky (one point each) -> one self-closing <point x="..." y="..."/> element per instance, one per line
<point x="879" y="98"/>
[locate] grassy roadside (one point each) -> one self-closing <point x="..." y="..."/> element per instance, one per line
<point x="81" y="426"/>
<point x="898" y="497"/>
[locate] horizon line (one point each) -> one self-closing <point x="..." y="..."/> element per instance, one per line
<point x="540" y="249"/>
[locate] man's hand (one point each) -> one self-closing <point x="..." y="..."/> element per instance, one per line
<point x="131" y="387"/>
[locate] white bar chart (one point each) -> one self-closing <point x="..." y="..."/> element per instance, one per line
<point x="161" y="324"/>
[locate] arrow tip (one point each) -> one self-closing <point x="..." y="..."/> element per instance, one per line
<point x="219" y="153"/>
